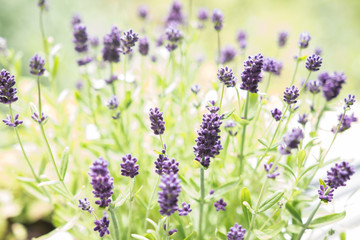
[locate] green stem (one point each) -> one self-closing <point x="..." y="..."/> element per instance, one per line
<point x="305" y="226"/>
<point x="115" y="223"/>
<point x="268" y="83"/>
<point x="304" y="85"/>
<point x="132" y="180"/>
<point x="125" y="75"/>
<point x="202" y="197"/>
<point x="221" y="98"/>
<point x="150" y="201"/>
<point x="167" y="227"/>
<point x="219" y="47"/>
<point x="39" y="97"/>
<point x="319" y="117"/>
<point x="296" y="67"/>
<point x="162" y="143"/>
<point x="268" y="219"/>
<point x="244" y="133"/>
<point x="238" y="98"/>
<point x="112" y="82"/>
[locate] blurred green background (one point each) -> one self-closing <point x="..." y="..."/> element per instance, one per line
<point x="333" y="25"/>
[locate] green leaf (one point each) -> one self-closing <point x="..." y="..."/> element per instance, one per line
<point x="223" y="189"/>
<point x="139" y="237"/>
<point x="342" y="236"/>
<point x="261" y="235"/>
<point x="287" y="168"/>
<point x="293" y="228"/>
<point x="328" y="219"/>
<point x="307" y="170"/>
<point x="64" y="162"/>
<point x="151" y="222"/>
<point x="220" y="235"/>
<point x="270" y="201"/>
<point x="322" y="182"/>
<point x="47" y="183"/>
<point x="55" y="66"/>
<point x="228" y="114"/>
<point x="42" y="166"/>
<point x="197" y="164"/>
<point x="263" y="142"/>
<point x="293" y="212"/>
<point x="301" y="156"/>
<point x="191" y="236"/>
<point x="245" y="197"/>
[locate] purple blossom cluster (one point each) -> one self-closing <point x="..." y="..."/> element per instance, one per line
<point x="176" y="15"/>
<point x="251" y="76"/>
<point x="195" y="89"/>
<point x="291" y="94"/>
<point x="272" y="66"/>
<point x="129" y="168"/>
<point x="302" y="119"/>
<point x="313" y="63"/>
<point x="112" y="42"/>
<point x="313" y="87"/>
<point x="282" y="39"/>
<point x="128" y="41"/>
<point x="202" y="15"/>
<point x="304" y="39"/>
<point x="39" y="119"/>
<point x="173" y="37"/>
<point x="185" y="210"/>
<point x="208" y="143"/>
<point x="226" y="76"/>
<point x="326" y="194"/>
<point x="36" y="65"/>
<point x="237" y="232"/>
<point x="7" y="89"/>
<point x="241" y="39"/>
<point x="80" y="38"/>
<point x="12" y="122"/>
<point x="165" y="165"/>
<point x="142" y="11"/>
<point x="331" y="84"/>
<point x="227" y="54"/>
<point x="271" y="172"/>
<point x="157" y="121"/>
<point x="143" y="46"/>
<point x="113" y="103"/>
<point x="101" y="181"/>
<point x="102" y="226"/>
<point x="220" y="205"/>
<point x="291" y="140"/>
<point x="346" y="122"/>
<point x="168" y="197"/>
<point x="229" y="126"/>
<point x="218" y="19"/>
<point x="276" y="113"/>
<point x="349" y="101"/>
<point x="84" y="204"/>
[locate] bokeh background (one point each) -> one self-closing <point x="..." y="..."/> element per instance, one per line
<point x="333" y="25"/>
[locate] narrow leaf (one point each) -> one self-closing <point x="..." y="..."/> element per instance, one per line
<point x="64" y="162"/>
<point x="293" y="212"/>
<point x="288" y="169"/>
<point x="328" y="219"/>
<point x="139" y="237"/>
<point x="52" y="182"/>
<point x="270" y="201"/>
<point x="245" y="197"/>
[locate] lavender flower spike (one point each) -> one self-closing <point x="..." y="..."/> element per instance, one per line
<point x="37" y="65"/>
<point x="331" y="84"/>
<point x="272" y="66"/>
<point x="251" y="75"/>
<point x="143" y="46"/>
<point x="291" y="140"/>
<point x="102" y="225"/>
<point x="304" y="39"/>
<point x="84" y="204"/>
<point x="217" y="19"/>
<point x="164" y="165"/>
<point x="176" y="15"/>
<point x="291" y="94"/>
<point x="241" y="39"/>
<point x="220" y="205"/>
<point x="173" y="37"/>
<point x="226" y="76"/>
<point x="227" y="54"/>
<point x="185" y="210"/>
<point x="38" y="119"/>
<point x="326" y="194"/>
<point x="113" y="103"/>
<point x="11" y="123"/>
<point x="112" y="44"/>
<point x="101" y="181"/>
<point x="208" y="143"/>
<point x="128" y="41"/>
<point x="339" y="175"/>
<point x="80" y="38"/>
<point x="271" y="173"/>
<point x="129" y="167"/>
<point x="203" y="14"/>
<point x="237" y="232"/>
<point x="283" y="37"/>
<point x="314" y="87"/>
<point x="168" y="197"/>
<point x="349" y="101"/>
<point x="346" y="122"/>
<point x="142" y="11"/>
<point x="7" y="89"/>
<point x="276" y="113"/>
<point x="302" y="119"/>
<point x="157" y="121"/>
<point x="313" y="63"/>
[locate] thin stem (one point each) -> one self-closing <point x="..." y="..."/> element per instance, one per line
<point x="132" y="180"/>
<point x="268" y="219"/>
<point x="150" y="201"/>
<point x="219" y="52"/>
<point x="296" y="67"/>
<point x="167" y="227"/>
<point x="161" y="140"/>
<point x="125" y="75"/>
<point x="305" y="226"/>
<point x="115" y="223"/>
<point x="268" y="82"/>
<point x="221" y="98"/>
<point x="304" y="85"/>
<point x="319" y="117"/>
<point x="202" y="196"/>
<point x="39" y="97"/>
<point x="244" y="133"/>
<point x="112" y="82"/>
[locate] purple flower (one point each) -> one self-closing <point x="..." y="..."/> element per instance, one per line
<point x="142" y="11"/>
<point x="227" y="54"/>
<point x="164" y="165"/>
<point x="176" y="15"/>
<point x="346" y="123"/>
<point x="94" y="41"/>
<point x="272" y="66"/>
<point x="128" y="41"/>
<point x="304" y="39"/>
<point x="85" y="205"/>
<point x="237" y="232"/>
<point x="111" y="79"/>
<point x="313" y="63"/>
<point x="291" y="94"/>
<point x="339" y="175"/>
<point x="101" y="181"/>
<point x="43" y="4"/>
<point x="218" y="19"/>
<point x="76" y="19"/>
<point x="85" y="60"/>
<point x="226" y="76"/>
<point x="349" y="101"/>
<point x="37" y="65"/>
<point x="173" y="37"/>
<point x="283" y="37"/>
<point x="102" y="226"/>
<point x="129" y="167"/>
<point x="203" y="14"/>
<point x="241" y="39"/>
<point x="302" y="119"/>
<point x="113" y="103"/>
<point x="195" y="89"/>
<point x="211" y="192"/>
<point x="38" y="119"/>
<point x="271" y="173"/>
<point x="7" y="89"/>
<point x="251" y="76"/>
<point x="110" y="51"/>
<point x="331" y="84"/>
<point x="168" y="197"/>
<point x="159" y="41"/>
<point x="229" y="126"/>
<point x="220" y="205"/>
<point x="143" y="46"/>
<point x="185" y="210"/>
<point x="291" y="140"/>
<point x="157" y="121"/>
<point x="79" y="85"/>
<point x="313" y="86"/>
<point x="326" y="194"/>
<point x="318" y="51"/>
<point x="208" y="143"/>
<point x="276" y="113"/>
<point x="80" y="38"/>
<point x="11" y="123"/>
